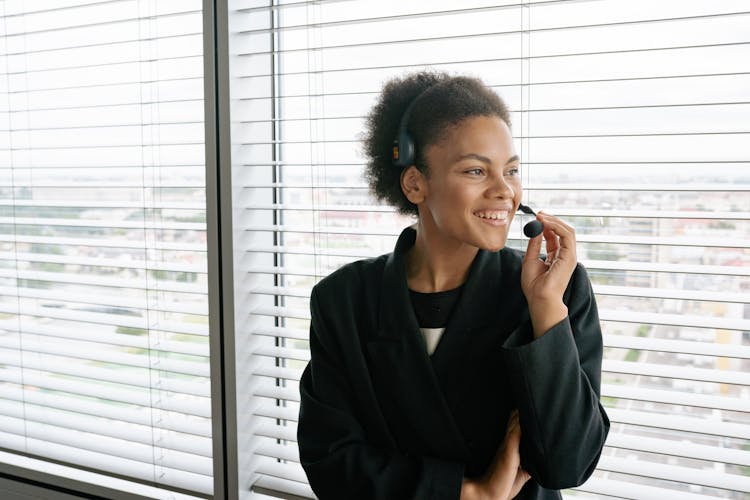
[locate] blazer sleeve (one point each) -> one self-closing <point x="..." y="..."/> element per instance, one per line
<point x="556" y="382"/>
<point x="334" y="449"/>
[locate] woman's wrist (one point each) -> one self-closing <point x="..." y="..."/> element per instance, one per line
<point x="545" y="314"/>
<point x="473" y="489"/>
<point x="470" y="490"/>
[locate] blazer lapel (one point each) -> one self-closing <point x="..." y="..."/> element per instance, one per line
<point x="410" y="394"/>
<point x="490" y="307"/>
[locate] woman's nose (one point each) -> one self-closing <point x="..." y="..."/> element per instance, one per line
<point x="500" y="188"/>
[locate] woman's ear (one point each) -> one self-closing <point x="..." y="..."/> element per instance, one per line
<point x="414" y="185"/>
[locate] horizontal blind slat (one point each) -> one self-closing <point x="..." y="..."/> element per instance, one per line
<point x="277" y="412"/>
<point x="115" y="303"/>
<point x="107" y="281"/>
<point x="674" y="397"/>
<point x="110" y="464"/>
<point x="623" y="291"/>
<point x="273" y="485"/>
<point x="141" y="415"/>
<point x="589" y="263"/>
<point x="105" y="44"/>
<point x="172" y="205"/>
<point x="278" y="372"/>
<point x="114" y="339"/>
<point x="62" y="364"/>
<point x="193" y="405"/>
<point x="677" y="346"/>
<point x="453" y="12"/>
<point x="276" y="331"/>
<point x="291" y="471"/>
<point x="558" y="211"/>
<point x="604" y="314"/>
<point x="11" y="34"/>
<point x="532" y="186"/>
<point x="704" y="425"/>
<point x="682" y="449"/>
<point x="285" y="312"/>
<point x="108" y="428"/>
<point x="96" y="318"/>
<point x="634" y="491"/>
<point x="103" y="223"/>
<point x="283" y="352"/>
<point x="121" y="448"/>
<point x="717" y="322"/>
<point x="677" y="372"/>
<point x="580" y="238"/>
<point x="282" y="432"/>
<point x="151" y="265"/>
<point x="98" y="243"/>
<point x="664" y="267"/>
<point x="266" y="390"/>
<point x="664" y="293"/>
<point x="279" y="451"/>
<point x="284" y="291"/>
<point x="710" y="478"/>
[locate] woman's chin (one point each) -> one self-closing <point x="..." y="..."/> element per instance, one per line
<point x="493" y="246"/>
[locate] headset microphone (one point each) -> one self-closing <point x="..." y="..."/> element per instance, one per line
<point x="533" y="228"/>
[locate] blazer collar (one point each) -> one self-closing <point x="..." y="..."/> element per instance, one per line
<point x="430" y="386"/>
<point x="402" y="372"/>
<point x="476" y="307"/>
<point x="396" y="315"/>
<point x="490" y="307"/>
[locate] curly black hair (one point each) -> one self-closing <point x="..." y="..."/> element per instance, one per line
<point x="441" y="101"/>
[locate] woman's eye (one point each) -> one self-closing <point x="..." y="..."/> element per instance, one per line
<point x="513" y="172"/>
<point x="474" y="171"/>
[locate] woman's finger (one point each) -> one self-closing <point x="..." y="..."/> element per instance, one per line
<point x="557" y="225"/>
<point x="521" y="478"/>
<point x="564" y="235"/>
<point x="512" y="419"/>
<point x="513" y="432"/>
<point x="552" y="243"/>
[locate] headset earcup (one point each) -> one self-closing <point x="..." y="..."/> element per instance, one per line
<point x="403" y="148"/>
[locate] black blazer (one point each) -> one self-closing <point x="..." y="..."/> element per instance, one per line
<point x="381" y="419"/>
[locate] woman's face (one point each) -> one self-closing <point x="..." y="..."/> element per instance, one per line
<point x="474" y="184"/>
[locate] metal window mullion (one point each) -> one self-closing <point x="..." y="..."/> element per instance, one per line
<point x="220" y="249"/>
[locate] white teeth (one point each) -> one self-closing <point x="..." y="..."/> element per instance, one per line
<point x="492" y="215"/>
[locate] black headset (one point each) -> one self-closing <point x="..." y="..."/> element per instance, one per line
<point x="404" y="151"/>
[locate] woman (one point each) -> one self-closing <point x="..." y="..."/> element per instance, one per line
<point x="453" y="367"/>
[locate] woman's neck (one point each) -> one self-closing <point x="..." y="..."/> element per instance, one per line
<point x="436" y="263"/>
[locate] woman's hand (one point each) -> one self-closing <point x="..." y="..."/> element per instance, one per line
<point x="504" y="477"/>
<point x="543" y="282"/>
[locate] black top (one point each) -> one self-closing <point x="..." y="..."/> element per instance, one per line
<point x="434" y="309"/>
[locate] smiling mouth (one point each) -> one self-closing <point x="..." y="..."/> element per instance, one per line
<point x="492" y="215"/>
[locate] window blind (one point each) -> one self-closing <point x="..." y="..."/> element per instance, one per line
<point x="630" y="120"/>
<point x="103" y="294"/>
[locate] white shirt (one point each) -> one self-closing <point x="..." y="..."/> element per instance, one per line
<point x="431" y="338"/>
